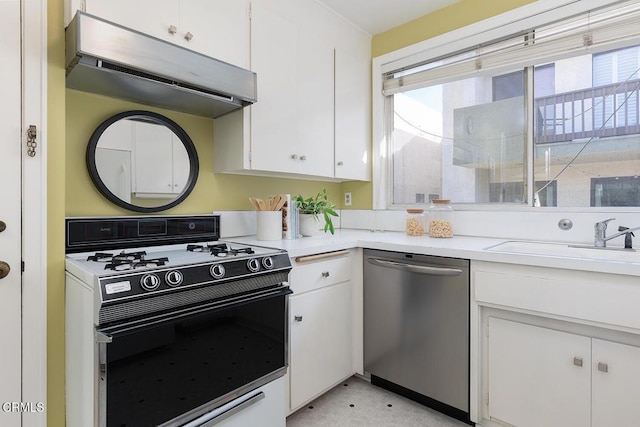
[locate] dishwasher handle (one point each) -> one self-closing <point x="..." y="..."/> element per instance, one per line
<point x="414" y="268"/>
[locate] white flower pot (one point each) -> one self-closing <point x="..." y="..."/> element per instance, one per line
<point x="310" y="226"/>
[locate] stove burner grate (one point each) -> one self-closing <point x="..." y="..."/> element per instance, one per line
<point x="125" y="264"/>
<point x="122" y="256"/>
<point x="219" y="249"/>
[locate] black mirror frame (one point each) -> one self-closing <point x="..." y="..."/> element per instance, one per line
<point x="155" y="118"/>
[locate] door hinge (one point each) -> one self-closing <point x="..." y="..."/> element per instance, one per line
<point x="32" y="144"/>
<point x="487" y="399"/>
<point x="22" y="266"/>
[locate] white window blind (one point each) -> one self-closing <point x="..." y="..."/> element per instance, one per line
<point x="599" y="30"/>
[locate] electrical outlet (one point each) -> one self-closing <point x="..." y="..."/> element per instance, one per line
<point x="347" y="199"/>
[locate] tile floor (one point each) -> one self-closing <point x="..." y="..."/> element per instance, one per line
<point x="358" y="403"/>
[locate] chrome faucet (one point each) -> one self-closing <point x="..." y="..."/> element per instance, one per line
<point x="601" y="238"/>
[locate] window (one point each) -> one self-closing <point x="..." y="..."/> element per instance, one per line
<point x="531" y="119"/>
<point x="615" y="191"/>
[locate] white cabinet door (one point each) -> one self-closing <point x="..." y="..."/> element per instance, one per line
<point x="216" y="28"/>
<point x="153" y="17"/>
<point x="314" y="142"/>
<point x="321" y="341"/>
<point x="533" y="376"/>
<point x="273" y="117"/>
<point x="353" y="114"/>
<point x="615" y="384"/>
<point x="292" y="125"/>
<point x="219" y="28"/>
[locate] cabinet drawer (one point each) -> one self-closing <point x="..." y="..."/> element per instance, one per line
<point x="594" y="297"/>
<point x="316" y="271"/>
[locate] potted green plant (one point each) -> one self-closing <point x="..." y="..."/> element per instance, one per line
<point x="309" y="210"/>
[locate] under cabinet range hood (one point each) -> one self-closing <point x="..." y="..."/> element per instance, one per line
<point x="108" y="59"/>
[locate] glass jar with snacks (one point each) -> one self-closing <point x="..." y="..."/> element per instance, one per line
<point x="415" y="222"/>
<point x="440" y="215"/>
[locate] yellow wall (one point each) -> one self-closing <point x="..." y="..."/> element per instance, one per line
<point x="55" y="214"/>
<point x="460" y="14"/>
<point x="72" y="117"/>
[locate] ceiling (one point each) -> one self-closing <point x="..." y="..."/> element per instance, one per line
<point x="377" y="16"/>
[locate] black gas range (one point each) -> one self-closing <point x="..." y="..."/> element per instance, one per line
<point x="166" y="323"/>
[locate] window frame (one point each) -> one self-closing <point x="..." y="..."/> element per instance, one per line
<point x="539" y="13"/>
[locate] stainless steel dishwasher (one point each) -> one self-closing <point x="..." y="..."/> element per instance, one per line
<point x="416" y="328"/>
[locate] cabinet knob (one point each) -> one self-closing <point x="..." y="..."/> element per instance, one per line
<point x="297" y="318"/>
<point x="172" y="29"/>
<point x="3" y="226"/>
<point x="294" y="156"/>
<point x="577" y="361"/>
<point x="303" y="157"/>
<point x="340" y="163"/>
<point x="4" y="269"/>
<point x="325" y="274"/>
<point x="603" y="367"/>
<point x="188" y="36"/>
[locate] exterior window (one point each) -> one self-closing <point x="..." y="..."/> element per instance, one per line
<point x="452" y="140"/>
<point x="466" y="139"/>
<point x="615" y="191"/>
<point x="590" y="123"/>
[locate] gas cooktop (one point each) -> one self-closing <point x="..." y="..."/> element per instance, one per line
<point x="161" y="260"/>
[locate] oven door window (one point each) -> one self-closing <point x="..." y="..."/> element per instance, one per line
<point x="159" y="372"/>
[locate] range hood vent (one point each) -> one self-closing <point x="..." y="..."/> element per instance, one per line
<point x="112" y="60"/>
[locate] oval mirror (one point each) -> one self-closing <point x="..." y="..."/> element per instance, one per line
<point x="142" y="161"/>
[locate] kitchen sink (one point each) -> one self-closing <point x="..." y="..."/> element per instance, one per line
<point x="564" y="250"/>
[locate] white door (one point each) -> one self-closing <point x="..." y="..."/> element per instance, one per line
<point x="616" y="384"/>
<point x="10" y="208"/>
<point x="538" y="376"/>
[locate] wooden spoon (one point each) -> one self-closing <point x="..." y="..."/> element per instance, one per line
<point x="280" y="203"/>
<point x="254" y="203"/>
<point x="261" y="205"/>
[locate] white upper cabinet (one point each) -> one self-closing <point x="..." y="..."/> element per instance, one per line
<point x="315" y="105"/>
<point x="353" y="112"/>
<point x="273" y="58"/>
<point x="312" y="117"/>
<point x="216" y="28"/>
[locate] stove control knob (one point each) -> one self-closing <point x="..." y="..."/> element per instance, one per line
<point x="217" y="271"/>
<point x="267" y="262"/>
<point x="150" y="282"/>
<point x="174" y="278"/>
<point x="253" y="265"/>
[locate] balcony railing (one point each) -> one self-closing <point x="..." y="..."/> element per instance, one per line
<point x="603" y="111"/>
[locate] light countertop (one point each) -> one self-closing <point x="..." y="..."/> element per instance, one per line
<point x="457" y="247"/>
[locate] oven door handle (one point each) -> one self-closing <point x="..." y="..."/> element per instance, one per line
<point x="110" y="332"/>
<point x="225" y="411"/>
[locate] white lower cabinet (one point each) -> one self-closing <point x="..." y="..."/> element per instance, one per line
<point x="615" y="384"/>
<point x="321" y="327"/>
<point x="320" y="341"/>
<point x="532" y="378"/>
<point x="537" y="376"/>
